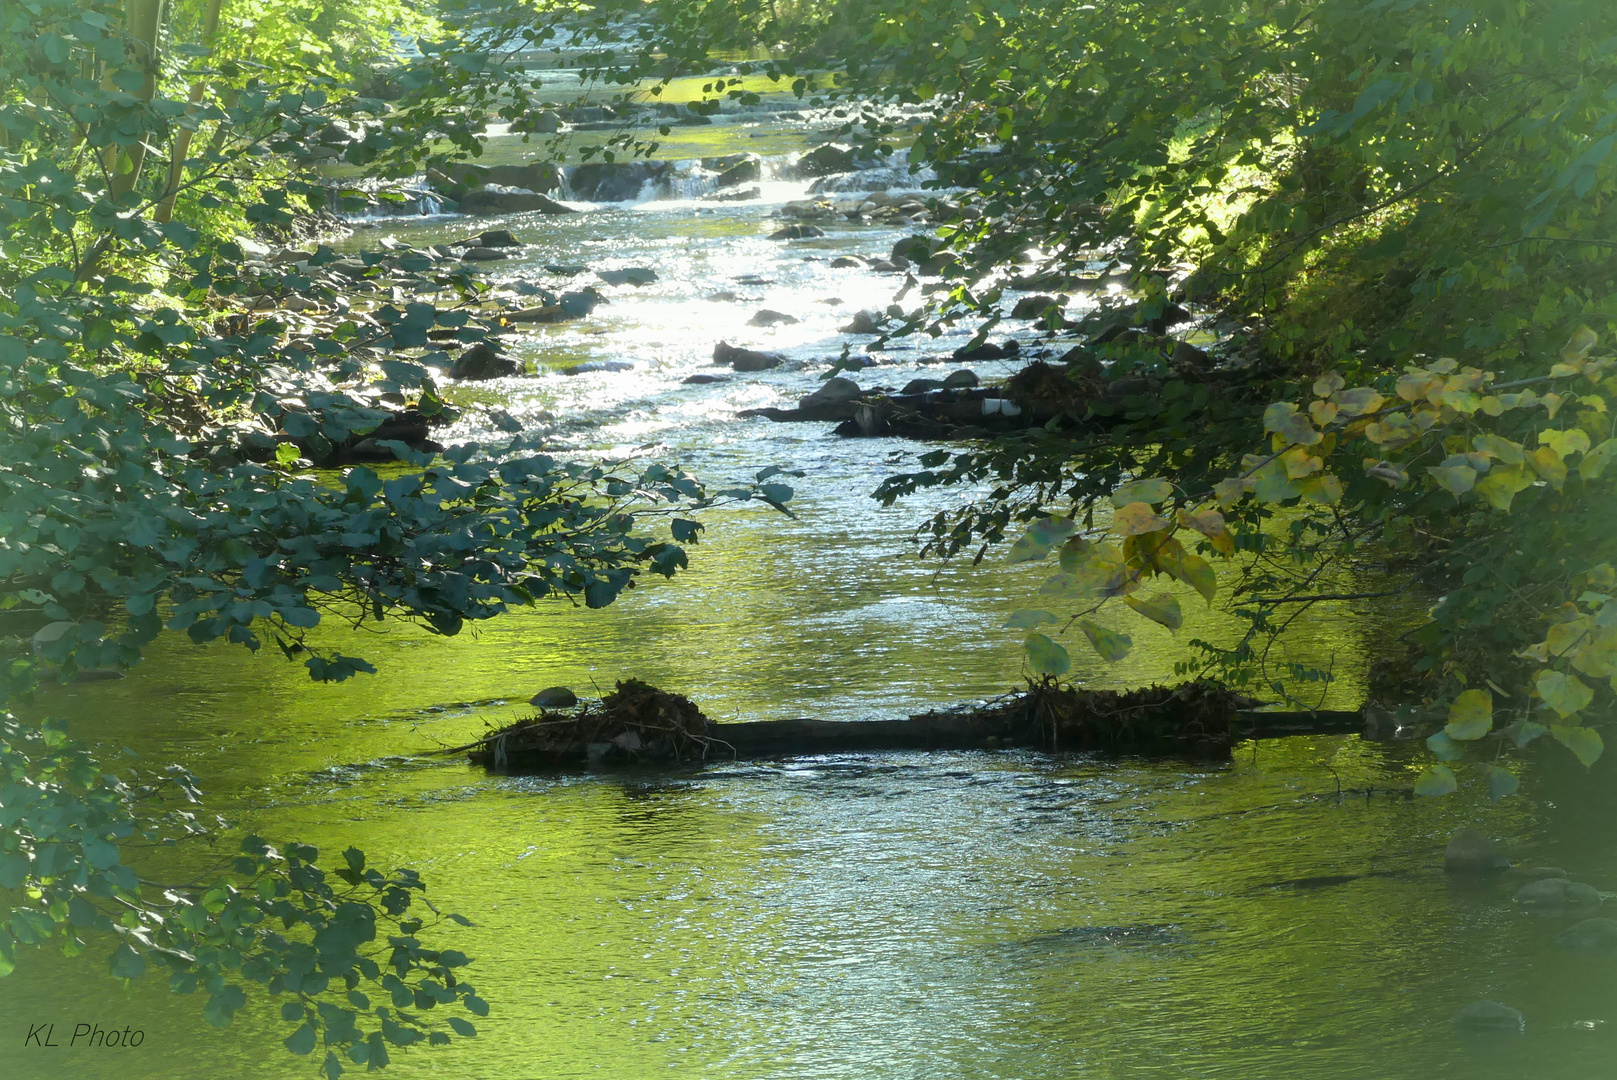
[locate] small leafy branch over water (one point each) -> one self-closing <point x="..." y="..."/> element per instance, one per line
<point x="1438" y="433"/>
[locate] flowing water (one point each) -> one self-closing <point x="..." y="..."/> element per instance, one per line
<point x="1009" y="915"/>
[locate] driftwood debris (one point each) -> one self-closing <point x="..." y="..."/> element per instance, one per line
<point x="640" y="724"/>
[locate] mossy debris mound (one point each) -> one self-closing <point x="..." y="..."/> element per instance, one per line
<point x="635" y="723"/>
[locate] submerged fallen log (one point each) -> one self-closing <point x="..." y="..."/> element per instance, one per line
<point x="640" y="724"/>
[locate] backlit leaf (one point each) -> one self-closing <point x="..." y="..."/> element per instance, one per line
<point x="1162" y="608"/>
<point x="1029" y="617"/>
<point x="1570" y="441"/>
<point x="1500" y="486"/>
<point x="1595" y="461"/>
<point x="1328" y="384"/>
<point x="1547" y="463"/>
<point x="1585" y="743"/>
<point x="1501" y="782"/>
<point x="1047" y="657"/>
<point x="1142" y="491"/>
<point x="1198" y="573"/>
<point x="1136" y="518"/>
<point x="1109" y="644"/>
<point x="1436" y="780"/>
<point x="1566" y="694"/>
<point x="1470" y="716"/>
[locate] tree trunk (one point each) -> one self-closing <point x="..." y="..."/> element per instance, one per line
<point x="182" y="138"/>
<point x="143" y="22"/>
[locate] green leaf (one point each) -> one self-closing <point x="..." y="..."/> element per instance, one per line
<point x="1455" y="479"/>
<point x="1501" y="782"/>
<point x="1111" y="645"/>
<point x="1144" y="491"/>
<point x="1196" y="572"/>
<point x="301" y="1041"/>
<point x="464" y="1028"/>
<point x="1046" y="656"/>
<point x="1030" y="617"/>
<point x="1583" y="742"/>
<point x="1162" y="608"/>
<point x="126" y="963"/>
<point x="1566" y="694"/>
<point x="1436" y="780"/>
<point x="1470" y="716"/>
<point x="1527" y="731"/>
<point x="1595" y="461"/>
<point x="1444" y="748"/>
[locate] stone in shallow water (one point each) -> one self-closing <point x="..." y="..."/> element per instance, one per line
<point x="1555" y="896"/>
<point x="1488" y="1016"/>
<point x="1470" y="852"/>
<point x="555" y="697"/>
<point x="1590" y="935"/>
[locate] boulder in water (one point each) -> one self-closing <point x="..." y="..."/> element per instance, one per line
<point x="481" y="361"/>
<point x="824" y="160"/>
<point x="1590" y="936"/>
<point x="864" y="322"/>
<point x="727" y="355"/>
<point x="1032" y="307"/>
<point x="749" y="169"/>
<point x="703" y="380"/>
<point x="493" y="199"/>
<point x="628" y="275"/>
<point x="797" y="232"/>
<point x="843" y="262"/>
<point x="740" y="194"/>
<point x="989" y="351"/>
<point x="615" y="181"/>
<point x="591" y="366"/>
<point x="766" y="317"/>
<point x="1556" y="896"/>
<point x="835" y="391"/>
<point x="483" y="254"/>
<point x="1489" y="1016"/>
<point x="554" y="697"/>
<point x="920" y="386"/>
<point x="1470" y="852"/>
<point x="958" y="380"/>
<point x="497" y="238"/>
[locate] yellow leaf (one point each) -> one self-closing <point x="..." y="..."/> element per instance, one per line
<point x="1323" y="413"/>
<point x="1162" y="608"/>
<point x="1206" y="522"/>
<point x="1360" y="401"/>
<point x="1551" y="403"/>
<point x="1299" y="463"/>
<point x="1565" y="442"/>
<point x="1498" y="447"/>
<point x="1585" y="743"/>
<point x="1229" y="492"/>
<point x="1598" y="658"/>
<point x="1564" y="635"/>
<point x="1289" y="425"/>
<point x="1144" y="491"/>
<point x="1595" y="461"/>
<point x="1328" y="384"/>
<point x="1198" y="573"/>
<point x="1578" y="345"/>
<point x="1500" y="486"/>
<point x="1566" y="694"/>
<point x="1455" y="479"/>
<point x="1109" y="644"/>
<point x="1470" y="716"/>
<point x="1547" y="463"/>
<point x="1136" y="518"/>
<point x="1323" y="490"/>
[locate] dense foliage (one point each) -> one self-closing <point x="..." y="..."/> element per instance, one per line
<point x="1362" y="191"/>
<point x="159" y="414"/>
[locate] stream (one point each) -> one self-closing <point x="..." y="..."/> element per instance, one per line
<point x="1006" y="914"/>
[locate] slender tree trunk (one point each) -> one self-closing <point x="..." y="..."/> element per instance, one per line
<point x="143" y="22"/>
<point x="182" y="138"/>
